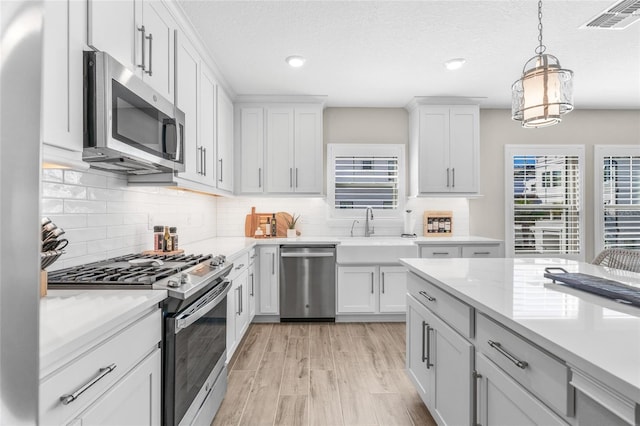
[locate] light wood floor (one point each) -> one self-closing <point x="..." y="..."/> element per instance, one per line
<point x="321" y="374"/>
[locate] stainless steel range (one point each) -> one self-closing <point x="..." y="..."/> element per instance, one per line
<point x="195" y="322"/>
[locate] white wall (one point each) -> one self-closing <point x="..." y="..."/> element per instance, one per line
<point x="584" y="127"/>
<point x="103" y="217"/>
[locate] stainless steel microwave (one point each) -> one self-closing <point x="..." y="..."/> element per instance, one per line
<point x="128" y="126"/>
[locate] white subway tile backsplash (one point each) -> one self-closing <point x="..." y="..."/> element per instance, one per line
<point x="78" y="206"/>
<point x="60" y="190"/>
<point x="52" y="175"/>
<point x="113" y="219"/>
<point x="51" y="206"/>
<point x="91" y="179"/>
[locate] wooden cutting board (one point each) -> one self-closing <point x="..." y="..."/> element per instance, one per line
<point x="281" y="224"/>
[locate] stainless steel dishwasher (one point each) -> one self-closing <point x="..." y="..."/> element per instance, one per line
<point x="307" y="282"/>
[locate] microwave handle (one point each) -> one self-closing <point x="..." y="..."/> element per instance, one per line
<point x="175" y="141"/>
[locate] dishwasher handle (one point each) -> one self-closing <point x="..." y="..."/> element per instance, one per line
<point x="311" y="254"/>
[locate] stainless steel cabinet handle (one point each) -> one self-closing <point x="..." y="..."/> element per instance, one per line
<point x="150" y="38"/>
<point x="69" y="398"/>
<point x="476" y="376"/>
<point x="372" y="283"/>
<point x="447" y="177"/>
<point x="290" y="177"/>
<point x="475" y="253"/>
<point x="240" y="266"/>
<point x="241" y="301"/>
<point x="429" y="298"/>
<point x="220" y="160"/>
<point x="382" y="278"/>
<point x="199" y="160"/>
<point x="440" y="253"/>
<point x="142" y="30"/>
<point x="259" y="177"/>
<point x="429" y="364"/>
<point x="453" y="175"/>
<point x="296" y="177"/>
<point x="204" y="161"/>
<point x="273" y="263"/>
<point x="424" y="327"/>
<point x="252" y="285"/>
<point x="498" y="347"/>
<point x="238" y="290"/>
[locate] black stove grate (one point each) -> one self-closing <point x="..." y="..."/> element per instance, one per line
<point x="117" y="273"/>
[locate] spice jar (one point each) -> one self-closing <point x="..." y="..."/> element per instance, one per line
<point x="173" y="232"/>
<point x="166" y="246"/>
<point x="158" y="238"/>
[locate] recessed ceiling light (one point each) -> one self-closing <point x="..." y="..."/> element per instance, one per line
<point x="295" y="61"/>
<point x="454" y="64"/>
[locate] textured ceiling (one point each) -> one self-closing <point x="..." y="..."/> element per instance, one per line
<point x="383" y="53"/>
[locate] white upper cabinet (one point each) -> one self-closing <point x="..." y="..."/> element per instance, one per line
<point x="159" y="38"/>
<point x="207" y="122"/>
<point x="62" y="91"/>
<point x="139" y="34"/>
<point x="186" y="99"/>
<point x="308" y="158"/>
<point x="444" y="149"/>
<point x="224" y="149"/>
<point x="252" y="148"/>
<point x="280" y="148"/>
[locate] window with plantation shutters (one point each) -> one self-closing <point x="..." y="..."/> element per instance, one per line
<point x="364" y="176"/>
<point x="617" y="174"/>
<point x="544" y="201"/>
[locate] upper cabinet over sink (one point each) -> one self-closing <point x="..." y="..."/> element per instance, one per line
<point x="444" y="148"/>
<point x="280" y="147"/>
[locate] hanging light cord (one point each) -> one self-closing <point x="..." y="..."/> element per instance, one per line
<point x="541" y="47"/>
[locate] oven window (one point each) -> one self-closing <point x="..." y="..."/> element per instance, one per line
<point x="137" y="123"/>
<point x="198" y="348"/>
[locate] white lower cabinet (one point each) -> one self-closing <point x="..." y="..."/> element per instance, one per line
<point x="134" y="400"/>
<point x="502" y="401"/>
<point x="251" y="285"/>
<point x="461" y="250"/>
<point x="268" y="283"/>
<point x="440" y="363"/>
<point x="116" y="380"/>
<point x="237" y="303"/>
<point x="371" y="289"/>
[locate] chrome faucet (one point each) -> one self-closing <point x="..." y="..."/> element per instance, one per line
<point x="367" y="231"/>
<point x="354" y="224"/>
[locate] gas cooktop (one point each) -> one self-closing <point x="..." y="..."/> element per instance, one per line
<point x="132" y="271"/>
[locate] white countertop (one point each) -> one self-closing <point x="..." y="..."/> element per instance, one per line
<point x="72" y="319"/>
<point x="598" y="336"/>
<point x="230" y="246"/>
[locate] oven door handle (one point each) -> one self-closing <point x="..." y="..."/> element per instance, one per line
<point x="182" y="323"/>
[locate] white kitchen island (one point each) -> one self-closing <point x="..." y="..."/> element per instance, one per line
<point x="534" y="351"/>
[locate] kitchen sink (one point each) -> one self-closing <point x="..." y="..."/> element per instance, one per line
<point x="374" y="250"/>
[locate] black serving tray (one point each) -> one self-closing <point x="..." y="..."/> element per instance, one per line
<point x="604" y="287"/>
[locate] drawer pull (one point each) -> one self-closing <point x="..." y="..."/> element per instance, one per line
<point x="476" y="253"/>
<point x="429" y="298"/>
<point x="69" y="398"/>
<point x="424" y="327"/>
<point x="440" y="253"/>
<point x="240" y="266"/>
<point x="476" y="376"/>
<point x="429" y="364"/>
<point x="497" y="346"/>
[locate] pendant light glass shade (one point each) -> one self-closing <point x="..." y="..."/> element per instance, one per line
<point x="545" y="91"/>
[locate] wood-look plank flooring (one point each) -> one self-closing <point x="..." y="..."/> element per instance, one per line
<point x="321" y="374"/>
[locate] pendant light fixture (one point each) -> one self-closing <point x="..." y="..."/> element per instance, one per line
<point x="545" y="91"/>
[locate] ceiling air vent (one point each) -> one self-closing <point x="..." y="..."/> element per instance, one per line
<point x="616" y="17"/>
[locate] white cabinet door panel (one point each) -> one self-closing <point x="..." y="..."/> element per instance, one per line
<point x="188" y="86"/>
<point x="356" y="289"/>
<point x="308" y="150"/>
<point x="224" y="163"/>
<point x="279" y="154"/>
<point x="113" y="27"/>
<point x="393" y="289"/>
<point x="434" y="149"/>
<point x="252" y="150"/>
<point x="463" y="149"/>
<point x="269" y="284"/>
<point x="159" y="66"/>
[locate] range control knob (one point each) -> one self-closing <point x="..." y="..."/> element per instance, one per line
<point x="184" y="278"/>
<point x="173" y="283"/>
